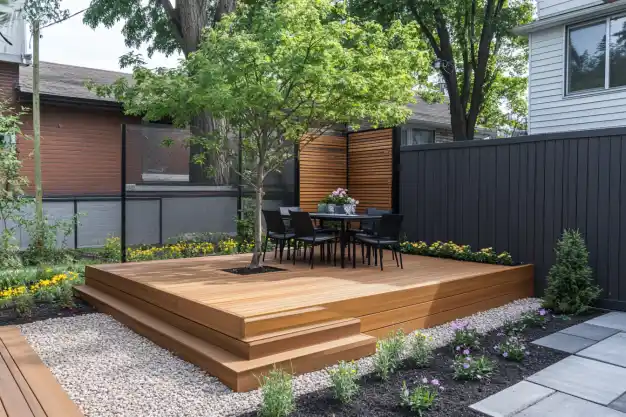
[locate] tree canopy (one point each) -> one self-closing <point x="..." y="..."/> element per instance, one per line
<point x="481" y="62"/>
<point x="282" y="72"/>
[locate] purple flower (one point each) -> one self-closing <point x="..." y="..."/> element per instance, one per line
<point x="542" y="312"/>
<point x="505" y="354"/>
<point x="466" y="365"/>
<point x="435" y="382"/>
<point x="466" y="352"/>
<point x="467" y="358"/>
<point x="458" y="348"/>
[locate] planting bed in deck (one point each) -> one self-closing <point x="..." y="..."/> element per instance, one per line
<point x="381" y="398"/>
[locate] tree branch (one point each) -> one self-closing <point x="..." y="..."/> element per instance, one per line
<point x="427" y="32"/>
<point x="174" y="22"/>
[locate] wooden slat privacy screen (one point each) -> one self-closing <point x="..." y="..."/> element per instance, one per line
<point x="370" y="168"/>
<point x="322" y="169"/>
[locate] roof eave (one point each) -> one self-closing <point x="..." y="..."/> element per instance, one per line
<point x="572" y="16"/>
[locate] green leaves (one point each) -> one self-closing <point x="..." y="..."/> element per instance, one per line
<point x="44" y="11"/>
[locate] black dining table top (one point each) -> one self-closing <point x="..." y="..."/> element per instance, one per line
<point x="337" y="216"/>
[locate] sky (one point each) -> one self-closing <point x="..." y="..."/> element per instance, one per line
<point x="74" y="43"/>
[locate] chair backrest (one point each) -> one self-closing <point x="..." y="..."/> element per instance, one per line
<point x="390" y="226"/>
<point x="274" y="221"/>
<point x="286" y="210"/>
<point x="371" y="224"/>
<point x="302" y="224"/>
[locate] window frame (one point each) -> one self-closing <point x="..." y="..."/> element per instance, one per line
<point x="12" y="143"/>
<point x="607" y="59"/>
<point x="408" y="127"/>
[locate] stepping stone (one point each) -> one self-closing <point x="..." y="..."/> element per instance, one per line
<point x="619" y="404"/>
<point x="512" y="400"/>
<point x="565" y="342"/>
<point x="611" y="350"/>
<point x="590" y="331"/>
<point x="614" y="320"/>
<point x="563" y="405"/>
<point x="584" y="378"/>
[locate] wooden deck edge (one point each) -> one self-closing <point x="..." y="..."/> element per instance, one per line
<point x="53" y="399"/>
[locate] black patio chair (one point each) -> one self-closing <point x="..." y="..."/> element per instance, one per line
<point x="387" y="235"/>
<point x="277" y="231"/>
<point x="367" y="227"/>
<point x="307" y="235"/>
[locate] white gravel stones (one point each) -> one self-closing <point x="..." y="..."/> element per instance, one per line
<point x="110" y="371"/>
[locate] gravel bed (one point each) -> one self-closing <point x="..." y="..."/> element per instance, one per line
<point x="109" y="370"/>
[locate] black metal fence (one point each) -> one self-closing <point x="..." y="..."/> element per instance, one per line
<point x="519" y="195"/>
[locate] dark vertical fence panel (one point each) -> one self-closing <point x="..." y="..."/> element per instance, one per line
<point x="519" y="194"/>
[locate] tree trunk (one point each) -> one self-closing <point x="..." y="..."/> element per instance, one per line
<point x="37" y="135"/>
<point x="258" y="225"/>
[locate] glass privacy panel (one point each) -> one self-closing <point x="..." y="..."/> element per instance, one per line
<point x="412" y="136"/>
<point x="617" y="63"/>
<point x="586" y="57"/>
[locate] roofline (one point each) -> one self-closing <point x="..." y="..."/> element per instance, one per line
<point x="27" y="97"/>
<point x="572" y="16"/>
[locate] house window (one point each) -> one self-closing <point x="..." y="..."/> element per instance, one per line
<point x="416" y="136"/>
<point x="7" y="140"/>
<point x="592" y="62"/>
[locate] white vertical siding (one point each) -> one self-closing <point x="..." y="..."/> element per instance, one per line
<point x="552" y="7"/>
<point x="549" y="110"/>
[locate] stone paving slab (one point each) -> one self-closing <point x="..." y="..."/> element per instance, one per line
<point x="619" y="404"/>
<point x="611" y="350"/>
<point x="590" y="331"/>
<point x="585" y="378"/>
<point x="512" y="400"/>
<point x="564" y="342"/>
<point x="614" y="320"/>
<point x="562" y="405"/>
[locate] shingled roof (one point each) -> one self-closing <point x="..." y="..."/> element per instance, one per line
<point x="68" y="81"/>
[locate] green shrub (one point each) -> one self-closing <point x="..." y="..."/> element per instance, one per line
<point x="389" y="354"/>
<point x="112" y="250"/>
<point x="65" y="295"/>
<point x="24" y="304"/>
<point x="344" y="381"/>
<point x="421" y="398"/>
<point x="420" y="350"/>
<point x="467" y="368"/>
<point x="570" y="287"/>
<point x="465" y="337"/>
<point x="277" y="394"/>
<point x="512" y="349"/>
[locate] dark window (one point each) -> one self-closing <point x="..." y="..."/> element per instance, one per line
<point x="7" y="140"/>
<point x="617" y="65"/>
<point x="586" y="57"/>
<point x="416" y="136"/>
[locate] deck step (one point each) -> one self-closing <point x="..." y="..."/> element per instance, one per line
<point x="238" y="373"/>
<point x="249" y="348"/>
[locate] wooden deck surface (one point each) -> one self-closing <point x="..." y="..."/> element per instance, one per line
<point x="27" y="388"/>
<point x="237" y="326"/>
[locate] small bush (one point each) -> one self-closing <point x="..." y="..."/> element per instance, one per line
<point x="24" y="304"/>
<point x="112" y="250"/>
<point x="512" y="349"/>
<point x="344" y="381"/>
<point x="420" y="350"/>
<point x="277" y="394"/>
<point x="465" y="337"/>
<point x="389" y="354"/>
<point x="421" y="398"/>
<point x="570" y="287"/>
<point x="467" y="368"/>
<point x="65" y="295"/>
<point x="537" y="318"/>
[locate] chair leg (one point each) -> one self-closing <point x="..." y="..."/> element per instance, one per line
<point x="275" y="249"/>
<point x="304" y="251"/>
<point x="395" y="255"/>
<point x="369" y="255"/>
<point x="328" y="257"/>
<point x="381" y="257"/>
<point x="335" y="252"/>
<point x="288" y="248"/>
<point x="363" y="253"/>
<point x="265" y="247"/>
<point x="322" y="252"/>
<point x="375" y="255"/>
<point x="400" y="253"/>
<point x="282" y="248"/>
<point x="353" y="253"/>
<point x="295" y="249"/>
<point x="312" y="254"/>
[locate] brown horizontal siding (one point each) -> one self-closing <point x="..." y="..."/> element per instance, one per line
<point x="370" y="176"/>
<point x="9" y="76"/>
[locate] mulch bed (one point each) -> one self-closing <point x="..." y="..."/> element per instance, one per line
<point x="247" y="271"/>
<point x="43" y="311"/>
<point x="378" y="398"/>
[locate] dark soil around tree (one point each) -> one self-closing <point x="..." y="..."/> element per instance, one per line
<point x="378" y="398"/>
<point x="43" y="311"/>
<point x="248" y="271"/>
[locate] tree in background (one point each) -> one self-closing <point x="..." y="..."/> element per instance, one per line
<point x="168" y="29"/>
<point x="39" y="13"/>
<point x="283" y="72"/>
<point x="481" y="62"/>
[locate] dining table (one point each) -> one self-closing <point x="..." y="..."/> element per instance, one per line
<point x="343" y="231"/>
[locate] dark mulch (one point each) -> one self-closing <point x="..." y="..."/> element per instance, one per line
<point x="43" y="311"/>
<point x="378" y="398"/>
<point x="248" y="271"/>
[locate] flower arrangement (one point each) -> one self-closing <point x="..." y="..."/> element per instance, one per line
<point x="467" y="368"/>
<point x="421" y="398"/>
<point x="340" y="197"/>
<point x="512" y="349"/>
<point x="454" y="251"/>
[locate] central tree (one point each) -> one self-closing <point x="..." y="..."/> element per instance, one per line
<point x="281" y="73"/>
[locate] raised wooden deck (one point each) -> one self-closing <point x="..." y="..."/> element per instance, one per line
<point x="237" y="327"/>
<point x="27" y="388"/>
